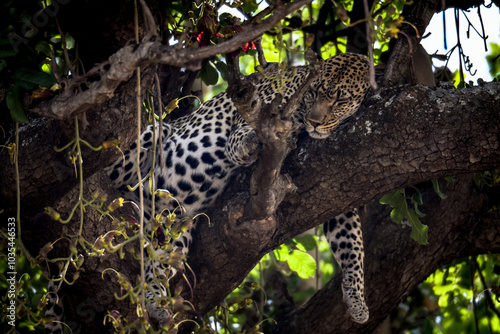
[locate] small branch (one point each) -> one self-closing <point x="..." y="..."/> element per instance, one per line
<point x="260" y="54"/>
<point x="373" y="83"/>
<point x="233" y="69"/>
<point x="160" y="114"/>
<point x="487" y="289"/>
<point x="69" y="66"/>
<point x="149" y="21"/>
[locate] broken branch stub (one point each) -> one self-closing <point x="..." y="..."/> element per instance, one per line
<point x="273" y="125"/>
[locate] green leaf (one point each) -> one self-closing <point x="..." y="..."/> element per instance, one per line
<point x="418" y="230"/>
<point x="393" y="198"/>
<point x="400" y="210"/>
<point x="399" y="213"/>
<point x="435" y="184"/>
<point x="222" y="68"/>
<point x="397" y="200"/>
<point x="417" y="197"/>
<point x="302" y="263"/>
<point x="30" y="79"/>
<point x="7" y="53"/>
<point x="306" y="242"/>
<point x="44" y="47"/>
<point x="250" y="6"/>
<point x="281" y="253"/>
<point x="209" y="74"/>
<point x="14" y="105"/>
<point x="493" y="60"/>
<point x="418" y="212"/>
<point x="450" y="179"/>
<point x="4" y="41"/>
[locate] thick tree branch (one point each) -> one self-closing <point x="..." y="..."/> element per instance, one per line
<point x="395" y="264"/>
<point x="123" y="63"/>
<point x="273" y="125"/>
<point x="400" y="137"/>
<point x="46" y="175"/>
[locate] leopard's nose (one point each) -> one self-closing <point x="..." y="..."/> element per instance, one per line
<point x="314" y="124"/>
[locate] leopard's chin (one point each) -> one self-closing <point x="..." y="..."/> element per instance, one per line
<point x="313" y="133"/>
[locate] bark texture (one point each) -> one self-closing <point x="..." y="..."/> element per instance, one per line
<point x="395" y="264"/>
<point x="400" y="137"/>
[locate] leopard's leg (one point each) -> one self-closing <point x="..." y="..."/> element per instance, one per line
<point x="54" y="310"/>
<point x="157" y="273"/>
<point x="346" y="241"/>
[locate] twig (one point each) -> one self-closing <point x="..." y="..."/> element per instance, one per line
<point x="474" y="305"/>
<point x="260" y="53"/>
<point x="55" y="69"/>
<point x="138" y="167"/>
<point x="149" y="20"/>
<point x="487" y="290"/>
<point x="160" y="108"/>
<point x="373" y="83"/>
<point x="65" y="50"/>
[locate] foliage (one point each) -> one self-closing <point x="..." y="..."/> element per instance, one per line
<point x="494" y="60"/>
<point x="258" y="300"/>
<point x="31" y="56"/>
<point x="400" y="211"/>
<point x="462" y="297"/>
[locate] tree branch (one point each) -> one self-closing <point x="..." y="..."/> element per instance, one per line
<point x="273" y="127"/>
<point x="398" y="70"/>
<point x="400" y="137"/>
<point x="124" y="62"/>
<point x="395" y="265"/>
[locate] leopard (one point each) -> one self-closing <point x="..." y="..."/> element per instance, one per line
<point x="203" y="150"/>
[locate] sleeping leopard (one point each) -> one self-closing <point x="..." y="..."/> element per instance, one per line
<point x="202" y="150"/>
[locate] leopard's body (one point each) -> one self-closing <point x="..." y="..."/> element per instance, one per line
<point x="202" y="150"/>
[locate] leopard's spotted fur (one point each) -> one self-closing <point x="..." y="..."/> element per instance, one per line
<point x="202" y="150"/>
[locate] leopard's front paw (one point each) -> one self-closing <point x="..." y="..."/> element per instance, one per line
<point x="243" y="150"/>
<point x="250" y="148"/>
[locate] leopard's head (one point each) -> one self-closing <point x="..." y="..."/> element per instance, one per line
<point x="336" y="94"/>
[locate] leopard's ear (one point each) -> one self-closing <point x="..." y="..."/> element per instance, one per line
<point x="312" y="58"/>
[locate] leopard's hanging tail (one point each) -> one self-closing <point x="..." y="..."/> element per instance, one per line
<point x="346" y="241"/>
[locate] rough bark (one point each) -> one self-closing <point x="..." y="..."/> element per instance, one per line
<point x="395" y="264"/>
<point x="46" y="175"/>
<point x="398" y="69"/>
<point x="400" y="136"/>
<point x="121" y="65"/>
<point x="389" y="145"/>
